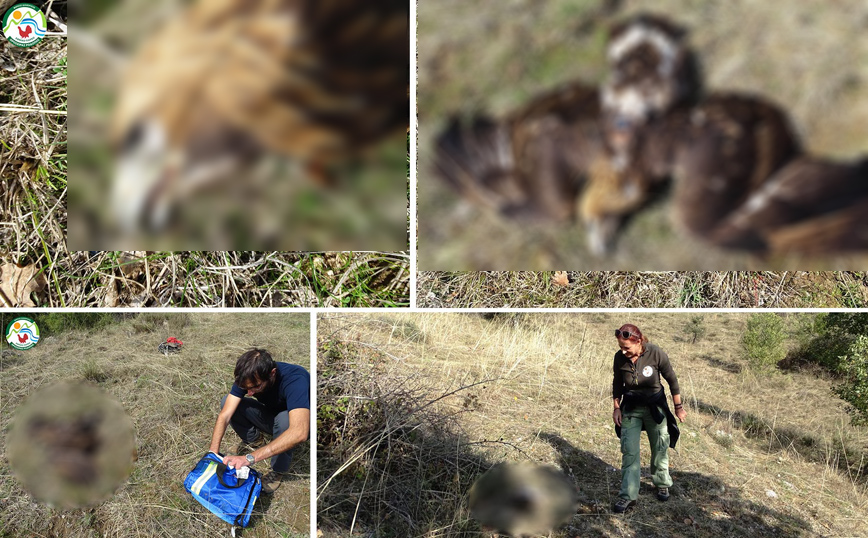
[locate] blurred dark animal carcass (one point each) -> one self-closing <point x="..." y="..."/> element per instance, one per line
<point x="566" y="151"/>
<point x="810" y="206"/>
<point x="651" y="72"/>
<point x="530" y="165"/>
<point x="523" y="499"/>
<point x="740" y="179"/>
<point x="229" y="81"/>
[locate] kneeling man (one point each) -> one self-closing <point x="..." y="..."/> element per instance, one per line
<point x="279" y="406"/>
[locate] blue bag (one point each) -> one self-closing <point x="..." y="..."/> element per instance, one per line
<point x="217" y="488"/>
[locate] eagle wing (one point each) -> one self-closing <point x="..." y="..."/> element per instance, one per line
<point x="529" y="165"/>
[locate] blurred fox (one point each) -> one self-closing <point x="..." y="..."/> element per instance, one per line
<point x="228" y="82"/>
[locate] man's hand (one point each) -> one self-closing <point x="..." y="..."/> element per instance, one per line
<point x="616" y="416"/>
<point x="235" y="462"/>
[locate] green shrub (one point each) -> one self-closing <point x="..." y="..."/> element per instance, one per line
<point x="833" y="334"/>
<point x="57" y="322"/>
<point x="695" y="328"/>
<point x="854" y="368"/>
<point x="763" y="340"/>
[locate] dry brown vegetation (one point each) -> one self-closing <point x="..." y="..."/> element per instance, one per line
<point x="488" y="55"/>
<point x="230" y="279"/>
<point x="173" y="402"/>
<point x="760" y="455"/>
<point x="616" y="289"/>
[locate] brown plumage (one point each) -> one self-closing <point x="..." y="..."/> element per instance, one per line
<point x="729" y="147"/>
<point x="717" y="154"/>
<point x="530" y="165"/>
<point x="651" y="71"/>
<point x="230" y="80"/>
<point x="740" y="181"/>
<point x="652" y="76"/>
<point x="809" y="206"/>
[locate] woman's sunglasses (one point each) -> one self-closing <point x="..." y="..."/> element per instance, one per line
<point x="626" y="335"/>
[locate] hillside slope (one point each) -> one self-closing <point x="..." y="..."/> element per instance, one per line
<point x="770" y="455"/>
<point x="173" y="402"/>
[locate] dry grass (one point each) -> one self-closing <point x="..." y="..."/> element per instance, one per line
<point x="231" y="279"/>
<point x="33" y="154"/>
<point x="173" y="402"/>
<point x="491" y="56"/>
<point x="547" y="398"/>
<point x="737" y="289"/>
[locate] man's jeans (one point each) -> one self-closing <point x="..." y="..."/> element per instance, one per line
<point x="252" y="417"/>
<point x="658" y="435"/>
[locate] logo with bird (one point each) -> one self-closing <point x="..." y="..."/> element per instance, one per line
<point x="22" y="333"/>
<point x="24" y="25"/>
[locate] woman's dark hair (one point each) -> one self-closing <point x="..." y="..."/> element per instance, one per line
<point x="255" y="365"/>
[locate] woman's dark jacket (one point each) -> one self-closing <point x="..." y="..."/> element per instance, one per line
<point x="639" y="385"/>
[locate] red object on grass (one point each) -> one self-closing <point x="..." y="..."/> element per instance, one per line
<point x="173" y="340"/>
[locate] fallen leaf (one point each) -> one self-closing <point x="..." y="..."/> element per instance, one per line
<point x="17" y="283"/>
<point x="132" y="263"/>
<point x="112" y="298"/>
<point x="560" y="278"/>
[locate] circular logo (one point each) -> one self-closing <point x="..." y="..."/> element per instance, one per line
<point x="647" y="371"/>
<point x="24" y="25"/>
<point x="22" y="333"/>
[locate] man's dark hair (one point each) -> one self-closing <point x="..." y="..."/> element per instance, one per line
<point x="255" y="365"/>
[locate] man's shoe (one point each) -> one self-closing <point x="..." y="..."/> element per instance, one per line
<point x="662" y="494"/>
<point x="271" y="481"/>
<point x="621" y="505"/>
<point x="243" y="447"/>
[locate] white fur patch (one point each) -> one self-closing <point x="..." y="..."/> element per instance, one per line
<point x="639" y="34"/>
<point x="503" y="147"/>
<point x="627" y="102"/>
<point x="136" y="173"/>
<point x="754" y="204"/>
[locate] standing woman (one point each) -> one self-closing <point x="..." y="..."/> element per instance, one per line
<point x="640" y="404"/>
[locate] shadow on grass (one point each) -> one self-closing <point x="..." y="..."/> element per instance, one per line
<point x="850" y="461"/>
<point x="414" y="482"/>
<point x="390" y="463"/>
<point x="724" y="365"/>
<point x="11" y="359"/>
<point x="701" y="505"/>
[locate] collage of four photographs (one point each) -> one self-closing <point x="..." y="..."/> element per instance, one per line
<point x="430" y="269"/>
